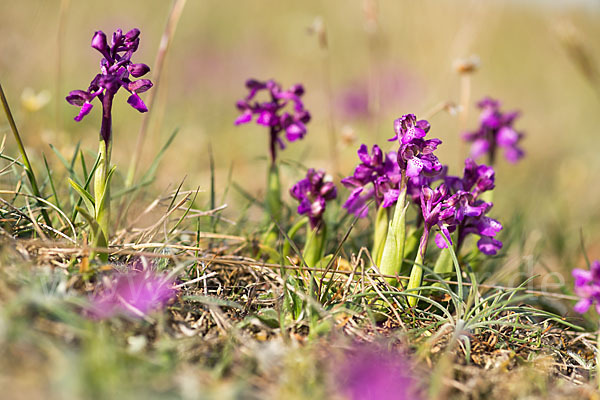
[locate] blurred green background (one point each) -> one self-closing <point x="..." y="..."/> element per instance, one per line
<point x="383" y="59"/>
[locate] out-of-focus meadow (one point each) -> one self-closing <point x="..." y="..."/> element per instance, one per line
<point x="382" y="59"/>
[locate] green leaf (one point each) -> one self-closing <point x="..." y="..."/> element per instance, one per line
<point x="103" y="199"/>
<point x="99" y="240"/>
<point x="85" y="196"/>
<point x="269" y="317"/>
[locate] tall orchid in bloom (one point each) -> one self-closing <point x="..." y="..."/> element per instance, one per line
<point x="313" y="192"/>
<point x="495" y="131"/>
<point x="274" y="112"/>
<point x="416" y="159"/>
<point x="116" y="68"/>
<point x="281" y="111"/>
<point x="377" y="177"/>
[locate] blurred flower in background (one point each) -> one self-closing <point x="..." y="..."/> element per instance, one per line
<point x="362" y="97"/>
<point x="32" y="101"/>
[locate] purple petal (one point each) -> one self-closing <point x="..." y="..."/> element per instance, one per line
<point x="439" y="241"/>
<point x="513" y="154"/>
<point x="140" y="86"/>
<point x="424" y="125"/>
<point x="266" y="118"/>
<point x="582" y="306"/>
<point x="479" y="148"/>
<point x="488" y="226"/>
<point x="78" y="97"/>
<point x="507" y="136"/>
<point x="136" y="102"/>
<point x="363" y="173"/>
<point x="356" y="203"/>
<point x="414" y="167"/>
<point x="582" y="277"/>
<point x="317" y="207"/>
<point x="135" y="294"/>
<point x="85" y="110"/>
<point x="328" y="191"/>
<point x="295" y="131"/>
<point x="132" y="34"/>
<point x="595" y="269"/>
<point x="99" y="43"/>
<point x="363" y="154"/>
<point x="488" y="245"/>
<point x="390" y="197"/>
<point x="413" y="133"/>
<point x="245" y="117"/>
<point x="304" y="206"/>
<point x="138" y="70"/>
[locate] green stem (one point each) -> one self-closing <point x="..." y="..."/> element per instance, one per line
<point x="393" y="249"/>
<point x="381" y="228"/>
<point x="272" y="207"/>
<point x="416" y="274"/>
<point x="26" y="163"/>
<point x="443" y="265"/>
<point x="315" y="245"/>
<point x="273" y="200"/>
<point x="287" y="246"/>
<point x="102" y="195"/>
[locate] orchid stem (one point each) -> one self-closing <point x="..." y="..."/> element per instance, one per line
<point x="380" y="233"/>
<point x="393" y="250"/>
<point x="416" y="274"/>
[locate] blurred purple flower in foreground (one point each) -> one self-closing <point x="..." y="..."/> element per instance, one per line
<point x="495" y="130"/>
<point x="587" y="287"/>
<point x="372" y="373"/>
<point x="313" y="192"/>
<point x="377" y="176"/>
<point x="115" y="66"/>
<point x="134" y="293"/>
<point x="271" y="113"/>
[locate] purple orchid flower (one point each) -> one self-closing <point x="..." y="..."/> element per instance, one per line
<point x="415" y="155"/>
<point x="415" y="183"/>
<point x="272" y="112"/>
<point x="495" y="130"/>
<point x="313" y="192"/>
<point x="116" y="68"/>
<point x="470" y="217"/>
<point x="587" y="287"/>
<point x="377" y="176"/>
<point x="438" y="209"/>
<point x="134" y="293"/>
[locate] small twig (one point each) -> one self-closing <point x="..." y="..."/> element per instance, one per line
<point x="203" y="277"/>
